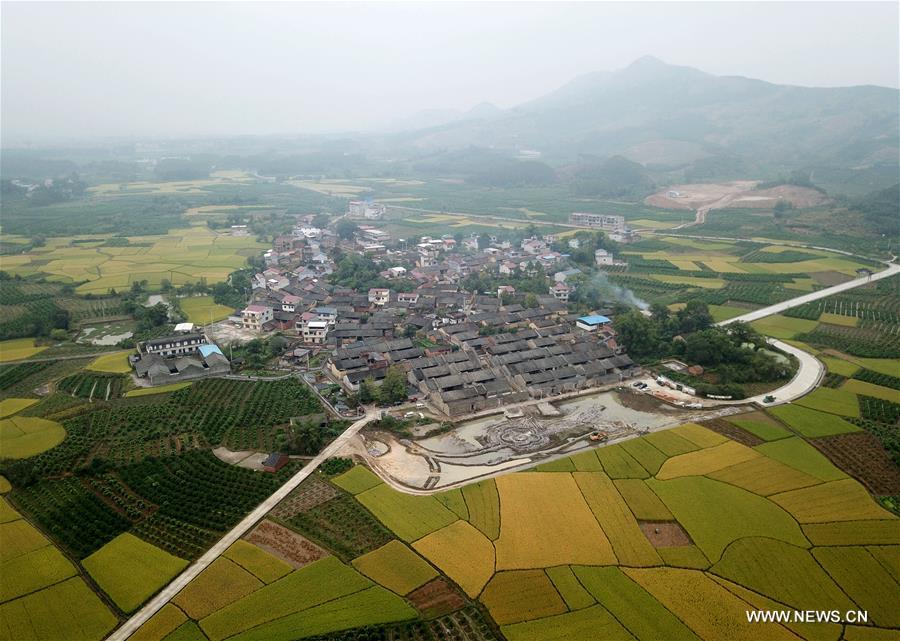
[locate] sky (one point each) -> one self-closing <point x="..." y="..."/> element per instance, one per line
<point x="76" y="71"/>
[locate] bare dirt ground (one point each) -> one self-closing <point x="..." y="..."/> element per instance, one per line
<point x="436" y="598"/>
<point x="286" y="544"/>
<point x="667" y="534"/>
<point x="739" y="193"/>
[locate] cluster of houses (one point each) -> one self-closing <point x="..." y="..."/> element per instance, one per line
<point x="185" y="355"/>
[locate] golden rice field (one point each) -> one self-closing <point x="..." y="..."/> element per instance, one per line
<point x="181" y="256"/>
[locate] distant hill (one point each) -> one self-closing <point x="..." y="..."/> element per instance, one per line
<point x="672" y="118"/>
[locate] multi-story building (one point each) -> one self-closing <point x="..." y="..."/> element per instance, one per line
<point x="255" y="316"/>
<point x="379" y="296"/>
<point x="609" y="222"/>
<point x="175" y="345"/>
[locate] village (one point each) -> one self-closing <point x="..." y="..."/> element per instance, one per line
<point x="427" y="320"/>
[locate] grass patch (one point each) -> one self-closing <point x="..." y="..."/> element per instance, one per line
<point x="833" y="401"/>
<point x="715" y="514"/>
<point x="221" y="583"/>
<point x="10" y="406"/>
<point x="256" y="561"/>
<point x="409" y="517"/>
<point x="18" y="349"/>
<point x="356" y="480"/>
<point x="513" y="597"/>
<point x="844" y="500"/>
<point x="462" y="553"/>
<point x="396" y="567"/>
<point x="25" y="436"/>
<point x="162" y="389"/>
<point x="639" y="612"/>
<point x="812" y="423"/>
<point x="130" y="570"/>
<point x="115" y="363"/>
<point x="800" y="455"/>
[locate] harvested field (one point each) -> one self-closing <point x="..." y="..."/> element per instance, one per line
<point x="862" y="456"/>
<point x="311" y="493"/>
<point x="396" y="567"/>
<point x="222" y="583"/>
<point x="706" y="461"/>
<point x="644" y="504"/>
<point x="545" y="521"/>
<point x="285" y="544"/>
<point x="463" y="553"/>
<point x="733" y="432"/>
<point x="764" y="476"/>
<point x="707" y="608"/>
<point x="844" y="500"/>
<point x="632" y="606"/>
<point x="785" y="573"/>
<point x="617" y="521"/>
<point x="664" y="534"/>
<point x="436" y="598"/>
<point x="800" y="455"/>
<point x="513" y="597"/>
<point x="714" y="514"/>
<point x="264" y="566"/>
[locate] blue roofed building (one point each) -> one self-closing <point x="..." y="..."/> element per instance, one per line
<point x="591" y="323"/>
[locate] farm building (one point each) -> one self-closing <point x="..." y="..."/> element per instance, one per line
<point x="274" y="462"/>
<point x="206" y="360"/>
<point x="175" y="345"/>
<point x="591" y="323"/>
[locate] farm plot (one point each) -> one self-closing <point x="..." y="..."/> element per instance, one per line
<point x="844" y="500"/>
<point x="705" y="461"/>
<point x="512" y="597"/>
<point x="356" y="480"/>
<point x="800" y="455"/>
<point x="812" y="423"/>
<point x="101" y="387"/>
<point x="221" y="584"/>
<point x="864" y="580"/>
<point x="569" y="587"/>
<point x="130" y="570"/>
<point x="716" y="514"/>
<point x="203" y="310"/>
<point x="18" y="349"/>
<point x="33" y="571"/>
<point x="54" y="612"/>
<point x="25" y="436"/>
<point x="833" y="401"/>
<point x="779" y="326"/>
<point x="759" y="424"/>
<point x="115" y="363"/>
<point x="410" y="517"/>
<point x="643" y="503"/>
<point x="463" y="553"/>
<point x="865" y="388"/>
<point x="582" y="625"/>
<point x="258" y="562"/>
<point x="545" y="521"/>
<point x="10" y="406"/>
<point x="396" y="567"/>
<point x="483" y="506"/>
<point x="764" y="476"/>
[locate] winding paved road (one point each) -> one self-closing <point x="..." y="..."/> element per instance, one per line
<point x="156" y="603"/>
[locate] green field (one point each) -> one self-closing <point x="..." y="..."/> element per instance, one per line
<point x="834" y="401"/>
<point x="410" y="517"/>
<point x="812" y="423"/>
<point x="25" y="436"/>
<point x="396" y="567"/>
<point x="357" y="479"/>
<point x="130" y="570"/>
<point x="203" y="310"/>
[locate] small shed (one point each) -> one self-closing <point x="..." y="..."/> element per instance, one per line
<point x="274" y="462"/>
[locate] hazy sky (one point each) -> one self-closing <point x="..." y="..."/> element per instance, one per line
<point x="76" y="70"/>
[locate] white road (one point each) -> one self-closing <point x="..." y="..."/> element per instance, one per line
<point x="893" y="268"/>
<point x="156" y="603"/>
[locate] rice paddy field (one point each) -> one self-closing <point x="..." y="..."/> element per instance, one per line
<point x="188" y="254"/>
<point x="674" y="538"/>
<point x="203" y="310"/>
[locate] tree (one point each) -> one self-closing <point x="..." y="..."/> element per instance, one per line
<point x="531" y="301"/>
<point x="393" y="387"/>
<point x="346" y="229"/>
<point x="693" y="317"/>
<point x="367" y="392"/>
<point x="58" y="334"/>
<point x="484" y="241"/>
<point x="638" y="333"/>
<point x="321" y="221"/>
